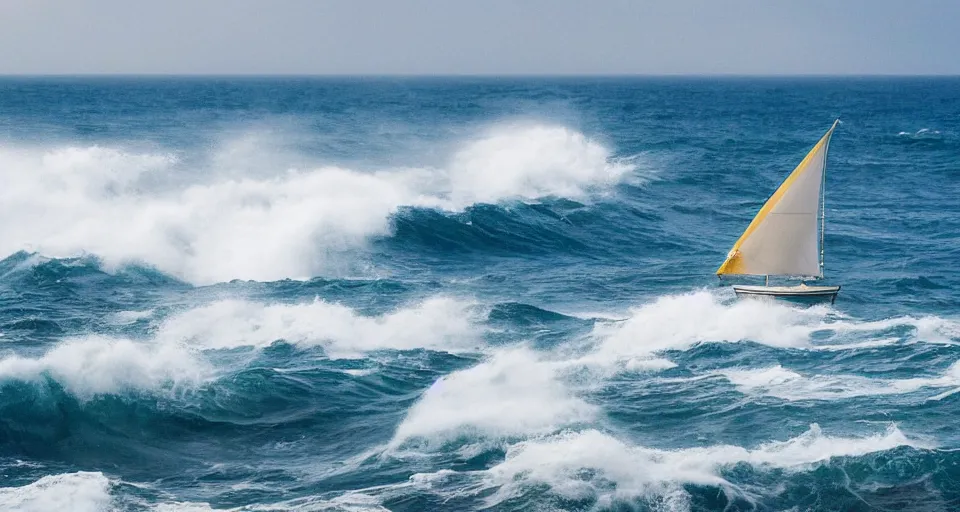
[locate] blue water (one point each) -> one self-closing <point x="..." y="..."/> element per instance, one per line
<point x="463" y="294"/>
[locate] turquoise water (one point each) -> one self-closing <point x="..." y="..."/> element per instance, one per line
<point x="463" y="294"/>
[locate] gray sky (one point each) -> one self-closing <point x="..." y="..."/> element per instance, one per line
<point x="480" y="36"/>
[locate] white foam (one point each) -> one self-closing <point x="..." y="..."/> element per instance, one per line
<point x="96" y="365"/>
<point x="208" y="225"/>
<point x="943" y="395"/>
<point x="520" y="393"/>
<point x="530" y="161"/>
<point x="921" y="133"/>
<point x="930" y="329"/>
<point x="879" y="342"/>
<point x="175" y="359"/>
<point x="359" y="372"/>
<point x="560" y="462"/>
<point x="513" y="393"/>
<point x="129" y="317"/>
<point x="678" y="322"/>
<point x="441" y="323"/>
<point x="782" y="383"/>
<point x="349" y="502"/>
<point x="77" y="492"/>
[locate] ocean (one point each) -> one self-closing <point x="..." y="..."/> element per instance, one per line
<point x="404" y="294"/>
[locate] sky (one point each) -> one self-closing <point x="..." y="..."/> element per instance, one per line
<point x="480" y="37"/>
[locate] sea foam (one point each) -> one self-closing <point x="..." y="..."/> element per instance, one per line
<point x="584" y="464"/>
<point x="543" y="391"/>
<point x="94" y="365"/>
<point x="782" y="383"/>
<point x="77" y="492"/>
<point x="442" y="323"/>
<point x="176" y="356"/>
<point x="678" y="322"/>
<point x="268" y="225"/>
<point x="514" y="393"/>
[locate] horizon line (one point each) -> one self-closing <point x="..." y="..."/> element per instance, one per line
<point x="475" y="75"/>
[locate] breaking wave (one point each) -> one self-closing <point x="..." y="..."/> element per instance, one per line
<point x="80" y="492"/>
<point x="291" y="223"/>
<point x="678" y="322"/>
<point x="786" y="384"/>
<point x="597" y="470"/>
<point x="561" y="463"/>
<point x="441" y="323"/>
<point x="176" y="356"/>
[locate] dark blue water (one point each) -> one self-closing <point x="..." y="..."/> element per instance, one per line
<point x="462" y="294"/>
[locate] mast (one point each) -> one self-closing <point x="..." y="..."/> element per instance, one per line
<point x="823" y="212"/>
<point x="823" y="200"/>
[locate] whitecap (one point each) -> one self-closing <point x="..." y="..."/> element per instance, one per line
<point x="442" y="323"/>
<point x="514" y="393"/>
<point x="596" y="465"/>
<point x="77" y="492"/>
<point x="273" y="224"/>
<point x="177" y="357"/>
<point x="95" y="365"/>
<point x="781" y="383"/>
<point x="679" y="322"/>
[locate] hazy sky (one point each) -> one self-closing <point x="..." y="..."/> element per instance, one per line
<point x="480" y="36"/>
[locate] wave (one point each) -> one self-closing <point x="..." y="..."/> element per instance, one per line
<point x="678" y="322"/>
<point x="588" y="466"/>
<point x="594" y="466"/>
<point x="95" y="492"/>
<point x="295" y="223"/>
<point x="441" y="323"/>
<point x="781" y="383"/>
<point x="79" y="492"/>
<point x="42" y="273"/>
<point x="523" y="228"/>
<point x="542" y="390"/>
<point x="922" y="134"/>
<point x="350" y="502"/>
<point x="514" y="393"/>
<point x="175" y="357"/>
<point x="96" y="365"/>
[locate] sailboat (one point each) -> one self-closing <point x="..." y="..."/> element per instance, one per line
<point x="785" y="238"/>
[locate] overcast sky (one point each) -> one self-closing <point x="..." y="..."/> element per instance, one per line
<point x="480" y="36"/>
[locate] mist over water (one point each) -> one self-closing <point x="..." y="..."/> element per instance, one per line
<point x="399" y="294"/>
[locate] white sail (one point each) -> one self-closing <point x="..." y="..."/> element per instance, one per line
<point x="784" y="238"/>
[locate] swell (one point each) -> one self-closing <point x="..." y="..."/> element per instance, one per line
<point x="253" y="407"/>
<point x="549" y="228"/>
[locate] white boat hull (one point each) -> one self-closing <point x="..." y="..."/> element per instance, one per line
<point x="802" y="292"/>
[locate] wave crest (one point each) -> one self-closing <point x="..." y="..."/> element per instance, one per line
<point x="176" y="356"/>
<point x="442" y="323"/>
<point x="97" y="365"/>
<point x="678" y="322"/>
<point x="291" y="223"/>
<point x="79" y="492"/>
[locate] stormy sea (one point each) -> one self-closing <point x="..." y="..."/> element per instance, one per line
<point x="406" y="294"/>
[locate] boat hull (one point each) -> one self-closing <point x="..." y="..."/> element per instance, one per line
<point x="796" y="293"/>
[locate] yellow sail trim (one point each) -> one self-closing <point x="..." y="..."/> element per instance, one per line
<point x="734" y="263"/>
